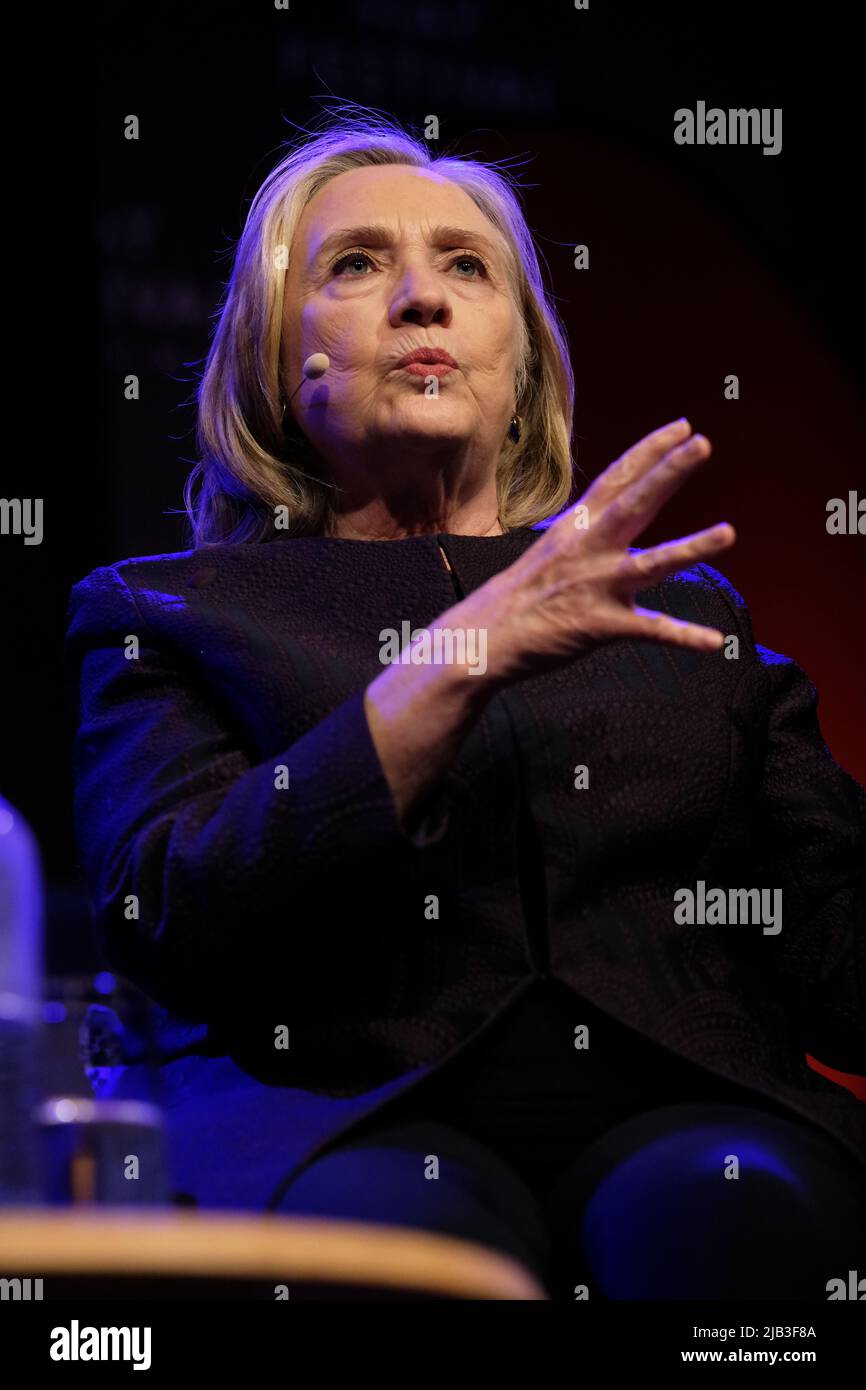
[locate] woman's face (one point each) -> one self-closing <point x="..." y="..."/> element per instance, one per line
<point x="433" y="276"/>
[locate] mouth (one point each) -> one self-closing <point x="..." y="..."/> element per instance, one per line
<point x="428" y="362"/>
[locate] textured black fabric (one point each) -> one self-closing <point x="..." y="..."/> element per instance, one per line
<point x="203" y="681"/>
<point x="527" y="1093"/>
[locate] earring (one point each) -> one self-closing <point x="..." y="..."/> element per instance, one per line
<point x="514" y="428"/>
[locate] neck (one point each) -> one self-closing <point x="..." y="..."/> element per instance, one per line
<point x="387" y="528"/>
<point x="390" y="498"/>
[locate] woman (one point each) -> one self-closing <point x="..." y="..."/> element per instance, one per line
<point x="393" y="791"/>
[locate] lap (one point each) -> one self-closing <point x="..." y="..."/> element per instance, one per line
<point x="429" y="1176"/>
<point x="710" y="1201"/>
<point x="684" y="1201"/>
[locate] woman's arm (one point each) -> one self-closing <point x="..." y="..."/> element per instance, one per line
<point x="810" y="819"/>
<point x="418" y="718"/>
<point x="209" y="878"/>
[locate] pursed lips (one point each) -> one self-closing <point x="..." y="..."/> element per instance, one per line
<point x="428" y="362"/>
<point x="428" y="368"/>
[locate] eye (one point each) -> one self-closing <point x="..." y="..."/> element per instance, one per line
<point x="347" y="259"/>
<point x="358" y="256"/>
<point x="466" y="258"/>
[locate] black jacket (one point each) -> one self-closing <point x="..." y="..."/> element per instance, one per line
<point x="243" y="905"/>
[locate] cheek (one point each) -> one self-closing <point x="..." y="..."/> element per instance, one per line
<point x="500" y="344"/>
<point x="339" y="330"/>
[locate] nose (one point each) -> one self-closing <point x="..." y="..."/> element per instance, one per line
<point x="421" y="298"/>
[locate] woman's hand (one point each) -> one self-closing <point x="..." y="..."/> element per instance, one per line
<point x="574" y="588"/>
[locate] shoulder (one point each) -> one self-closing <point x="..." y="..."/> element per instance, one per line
<point x="119" y="576"/>
<point x="157" y="580"/>
<point x="170" y="595"/>
<point x="110" y="593"/>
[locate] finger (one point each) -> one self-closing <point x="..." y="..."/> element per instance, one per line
<point x="647" y="625"/>
<point x="633" y="510"/>
<point x="652" y="566"/>
<point x="632" y="465"/>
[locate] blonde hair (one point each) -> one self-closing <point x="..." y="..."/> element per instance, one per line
<point x="249" y="463"/>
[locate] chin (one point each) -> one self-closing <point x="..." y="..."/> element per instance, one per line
<point x="429" y="419"/>
<point x="420" y="440"/>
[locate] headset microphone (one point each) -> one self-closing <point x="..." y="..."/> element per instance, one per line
<point x="315" y="366"/>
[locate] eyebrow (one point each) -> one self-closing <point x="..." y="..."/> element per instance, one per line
<point x="381" y="236"/>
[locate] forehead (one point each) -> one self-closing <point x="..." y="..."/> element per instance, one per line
<point x="400" y="197"/>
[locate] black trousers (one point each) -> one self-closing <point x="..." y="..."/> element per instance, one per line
<point x="696" y="1201"/>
